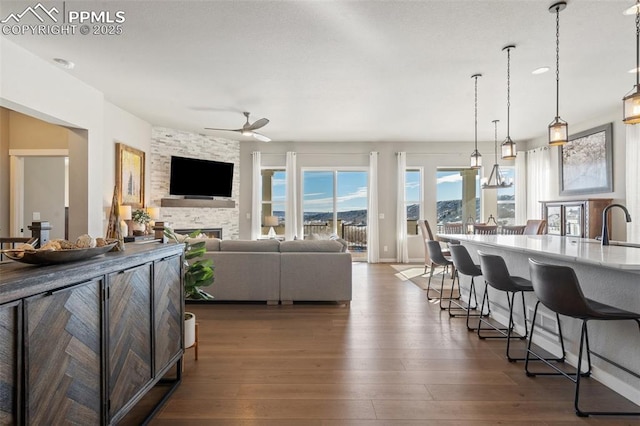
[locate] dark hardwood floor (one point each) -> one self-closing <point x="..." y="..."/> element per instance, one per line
<point x="393" y="358"/>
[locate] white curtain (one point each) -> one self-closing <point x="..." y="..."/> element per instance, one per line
<point x="373" y="249"/>
<point x="291" y="211"/>
<point x="402" y="251"/>
<point x="632" y="178"/>
<point x="521" y="188"/>
<point x="256" y="196"/>
<point x="538" y="180"/>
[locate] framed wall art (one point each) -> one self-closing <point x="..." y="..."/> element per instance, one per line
<point x="586" y="162"/>
<point x="130" y="175"/>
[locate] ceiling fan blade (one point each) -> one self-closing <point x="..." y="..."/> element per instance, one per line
<point x="261" y="138"/>
<point x="258" y="124"/>
<point x="226" y="130"/>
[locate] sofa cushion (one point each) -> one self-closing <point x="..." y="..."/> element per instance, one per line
<point x="311" y="246"/>
<point x="250" y="246"/>
<point x="211" y="244"/>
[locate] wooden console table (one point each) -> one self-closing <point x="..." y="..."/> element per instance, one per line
<point x="83" y="342"/>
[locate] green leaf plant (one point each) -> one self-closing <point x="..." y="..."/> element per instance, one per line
<point x="197" y="273"/>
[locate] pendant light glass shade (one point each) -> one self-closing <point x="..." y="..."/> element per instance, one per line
<point x="476" y="158"/>
<point x="508" y="148"/>
<point x="631" y="102"/>
<point x="558" y="129"/>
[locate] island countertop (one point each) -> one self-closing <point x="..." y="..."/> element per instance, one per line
<point x="580" y="250"/>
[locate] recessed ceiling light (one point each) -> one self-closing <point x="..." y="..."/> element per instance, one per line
<point x="633" y="71"/>
<point x="631" y="10"/>
<point x="64" y="63"/>
<point x="540" y="70"/>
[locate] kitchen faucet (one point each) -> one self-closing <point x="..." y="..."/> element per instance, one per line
<point x="605" y="227"/>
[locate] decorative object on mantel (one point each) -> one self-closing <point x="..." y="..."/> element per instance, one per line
<point x="496" y="179"/>
<point x="631" y="101"/>
<point x="113" y="227"/>
<point x="586" y="162"/>
<point x="130" y="175"/>
<point x="188" y="202"/>
<point x="508" y="145"/>
<point x="558" y="129"/>
<point x="140" y="218"/>
<point x="476" y="158"/>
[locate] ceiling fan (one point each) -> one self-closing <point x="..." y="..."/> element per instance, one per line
<point x="248" y="128"/>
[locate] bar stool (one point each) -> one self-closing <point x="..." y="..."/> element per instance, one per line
<point x="497" y="276"/>
<point x="557" y="288"/>
<point x="464" y="265"/>
<point x="437" y="259"/>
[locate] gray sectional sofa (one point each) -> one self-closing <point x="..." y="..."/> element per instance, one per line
<point x="273" y="271"/>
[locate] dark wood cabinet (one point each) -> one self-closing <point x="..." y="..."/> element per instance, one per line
<point x="82" y="343"/>
<point x="63" y="336"/>
<point x="575" y="218"/>
<point x="168" y="315"/>
<point x="129" y="301"/>
<point x="10" y="336"/>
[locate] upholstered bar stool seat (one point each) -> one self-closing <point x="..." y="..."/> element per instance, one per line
<point x="497" y="275"/>
<point x="437" y="258"/>
<point x="464" y="265"/>
<point x="557" y="288"/>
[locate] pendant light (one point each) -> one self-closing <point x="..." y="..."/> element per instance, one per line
<point x="476" y="158"/>
<point x="558" y="129"/>
<point x="631" y="102"/>
<point x="496" y="179"/>
<point x="509" y="146"/>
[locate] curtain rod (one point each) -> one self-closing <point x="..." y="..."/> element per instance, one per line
<point x="316" y="153"/>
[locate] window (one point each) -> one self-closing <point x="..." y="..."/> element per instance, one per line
<point x="273" y="198"/>
<point x="457" y="195"/>
<point x="413" y="199"/>
<point x="506" y="198"/>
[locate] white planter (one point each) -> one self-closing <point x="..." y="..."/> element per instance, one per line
<point x="189" y="329"/>
<point x="140" y="227"/>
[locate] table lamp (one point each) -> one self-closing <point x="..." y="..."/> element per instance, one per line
<point x="125" y="215"/>
<point x="271" y="221"/>
<point x="154" y="214"/>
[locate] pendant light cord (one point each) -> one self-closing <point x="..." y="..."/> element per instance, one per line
<point x="476" y="116"/>
<point x="637" y="42"/>
<point x="495" y="140"/>
<point x="509" y="88"/>
<point x="558" y="61"/>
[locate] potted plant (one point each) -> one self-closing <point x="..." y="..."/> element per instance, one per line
<point x="140" y="218"/>
<point x="197" y="273"/>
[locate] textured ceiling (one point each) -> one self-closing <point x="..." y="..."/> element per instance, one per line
<point x="353" y="70"/>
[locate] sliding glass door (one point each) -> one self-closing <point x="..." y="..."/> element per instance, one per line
<point x="334" y="203"/>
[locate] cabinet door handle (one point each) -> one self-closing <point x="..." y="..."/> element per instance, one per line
<point x="69" y="288"/>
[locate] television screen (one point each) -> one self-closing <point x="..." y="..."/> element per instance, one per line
<point x="200" y="178"/>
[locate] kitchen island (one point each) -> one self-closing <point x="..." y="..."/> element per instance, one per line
<point x="609" y="274"/>
<point x="83" y="342"/>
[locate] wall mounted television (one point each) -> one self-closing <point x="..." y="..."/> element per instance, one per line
<point x="196" y="178"/>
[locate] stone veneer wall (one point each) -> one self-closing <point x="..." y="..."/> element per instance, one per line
<point x="167" y="142"/>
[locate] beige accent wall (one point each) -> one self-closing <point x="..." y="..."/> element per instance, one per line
<point x="26" y="132"/>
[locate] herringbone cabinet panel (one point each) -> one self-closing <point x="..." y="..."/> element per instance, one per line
<point x="9" y="334"/>
<point x="168" y="315"/>
<point x="63" y="356"/>
<point x="129" y="335"/>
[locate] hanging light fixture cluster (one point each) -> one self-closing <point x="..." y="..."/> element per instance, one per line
<point x="558" y="129"/>
<point x="508" y="146"/>
<point x="476" y="158"/>
<point x="631" y="102"/>
<point x="496" y="178"/>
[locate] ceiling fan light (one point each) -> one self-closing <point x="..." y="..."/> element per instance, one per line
<point x="476" y="159"/>
<point x="631" y="106"/>
<point x="247" y="133"/>
<point x="558" y="132"/>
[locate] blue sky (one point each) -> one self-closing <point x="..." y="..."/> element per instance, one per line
<point x="352" y="189"/>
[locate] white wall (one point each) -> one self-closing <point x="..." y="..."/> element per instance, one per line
<point x="40" y="89"/>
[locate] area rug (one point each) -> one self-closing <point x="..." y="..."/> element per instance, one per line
<point x="415" y="274"/>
